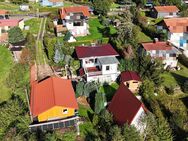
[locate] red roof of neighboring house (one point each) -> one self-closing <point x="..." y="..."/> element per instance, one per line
<point x="74" y="9"/>
<point x="53" y="91"/>
<point x="3" y="12"/>
<point x="177" y="25"/>
<point x="130" y="75"/>
<point x="157" y="46"/>
<point x="96" y="51"/>
<point x="166" y="8"/>
<point x="124" y="105"/>
<point x="9" y="22"/>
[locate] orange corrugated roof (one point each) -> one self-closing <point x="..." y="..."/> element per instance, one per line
<point x="53" y="91"/>
<point x="3" y="12"/>
<point x="74" y="9"/>
<point x="166" y="8"/>
<point x="176" y="25"/>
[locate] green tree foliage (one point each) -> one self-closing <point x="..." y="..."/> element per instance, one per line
<point x="99" y="102"/>
<point x="15" y="35"/>
<point x="151" y="69"/>
<point x="50" y="43"/>
<point x="102" y="6"/>
<point x="128" y="65"/>
<point x="130" y="133"/>
<point x="75" y="65"/>
<point x="185" y="86"/>
<point x="10" y="112"/>
<point x="115" y="134"/>
<point x="157" y="129"/>
<point x="19" y="1"/>
<point x="80" y="88"/>
<point x="89" y="88"/>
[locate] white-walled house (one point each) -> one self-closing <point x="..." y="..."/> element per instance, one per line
<point x="99" y="63"/>
<point x="165" y="11"/>
<point x="126" y="108"/>
<point x="75" y="19"/>
<point x="6" y="24"/>
<point x="177" y="31"/>
<point x="164" y="51"/>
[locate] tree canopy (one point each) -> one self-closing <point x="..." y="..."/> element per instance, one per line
<point x="15" y="35"/>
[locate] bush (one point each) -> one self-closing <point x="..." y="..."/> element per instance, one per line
<point x="169" y="90"/>
<point x="183" y="60"/>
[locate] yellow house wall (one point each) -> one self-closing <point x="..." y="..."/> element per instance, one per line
<point x="133" y="86"/>
<point x="55" y="113"/>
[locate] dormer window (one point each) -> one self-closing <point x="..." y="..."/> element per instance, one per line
<point x="65" y="111"/>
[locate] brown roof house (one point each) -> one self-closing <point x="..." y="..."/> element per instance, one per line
<point x="165" y="11"/>
<point x="126" y="108"/>
<point x="132" y="80"/>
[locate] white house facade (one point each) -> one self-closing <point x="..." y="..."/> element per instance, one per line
<point x="163" y="51"/>
<point x="98" y="63"/>
<point x="75" y="19"/>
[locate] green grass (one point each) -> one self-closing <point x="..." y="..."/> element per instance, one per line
<point x="143" y="38"/>
<point x="174" y="78"/>
<point x="9" y="6"/>
<point x="6" y="63"/>
<point x="34" y="25"/>
<point x="114" y="5"/>
<point x="96" y="31"/>
<point x="83" y="111"/>
<point x="109" y="90"/>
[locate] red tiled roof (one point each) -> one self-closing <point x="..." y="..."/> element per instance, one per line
<point x="166" y="8"/>
<point x="3" y="12"/>
<point x="157" y="46"/>
<point x="74" y="9"/>
<point x="177" y="25"/>
<point x="124" y="105"/>
<point x="130" y="75"/>
<point x="9" y="22"/>
<point x="101" y="50"/>
<point x="51" y="92"/>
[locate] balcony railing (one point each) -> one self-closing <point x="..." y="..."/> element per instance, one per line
<point x="95" y="73"/>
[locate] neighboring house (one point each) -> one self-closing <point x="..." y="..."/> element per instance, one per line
<point x="98" y="63"/>
<point x="24" y="7"/>
<point x="165" y="11"/>
<point x="126" y="108"/>
<point x="164" y="51"/>
<point x="177" y="31"/>
<point x="51" y="3"/>
<point x="185" y="1"/>
<point x="52" y="99"/>
<point x="6" y="24"/>
<point x="75" y="18"/>
<point x="16" y="50"/>
<point x="4" y="14"/>
<point x="132" y="80"/>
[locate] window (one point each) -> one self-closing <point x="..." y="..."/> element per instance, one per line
<point x="77" y="24"/>
<point x="65" y="111"/>
<point x="171" y="13"/>
<point x="107" y="68"/>
<point x="135" y="82"/>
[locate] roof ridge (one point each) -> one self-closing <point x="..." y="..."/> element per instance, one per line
<point x="53" y="90"/>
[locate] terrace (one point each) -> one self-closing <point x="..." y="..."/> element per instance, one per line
<point x="93" y="71"/>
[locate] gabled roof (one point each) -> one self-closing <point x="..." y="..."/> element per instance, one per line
<point x="124" y="105"/>
<point x="53" y="91"/>
<point x="157" y="46"/>
<point x="177" y="25"/>
<point x="130" y="75"/>
<point x="9" y="22"/>
<point x="95" y="51"/>
<point x="74" y="9"/>
<point x="166" y="8"/>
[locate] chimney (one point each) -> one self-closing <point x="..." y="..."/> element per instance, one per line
<point x="156" y="40"/>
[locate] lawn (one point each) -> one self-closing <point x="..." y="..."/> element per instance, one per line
<point x="6" y="63"/>
<point x="109" y="90"/>
<point x="96" y="31"/>
<point x="34" y="25"/>
<point x="9" y="6"/>
<point x="142" y="37"/>
<point x="174" y="78"/>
